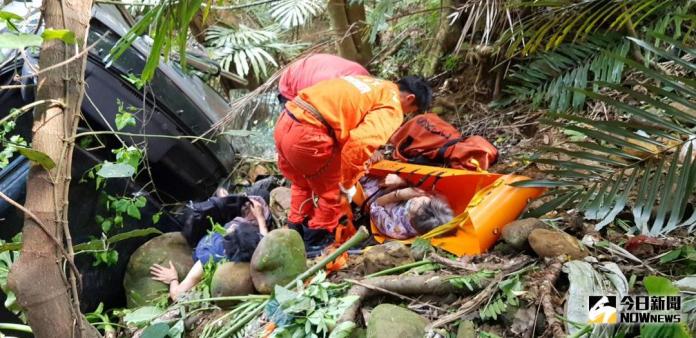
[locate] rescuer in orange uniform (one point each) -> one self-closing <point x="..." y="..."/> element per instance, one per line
<point x="326" y="135"/>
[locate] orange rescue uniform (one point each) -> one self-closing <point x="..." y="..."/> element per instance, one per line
<point x="362" y="112"/>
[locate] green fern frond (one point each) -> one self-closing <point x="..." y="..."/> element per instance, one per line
<point x="472" y="281"/>
<point x="651" y="165"/>
<point x="549" y="78"/>
<point x="494" y="309"/>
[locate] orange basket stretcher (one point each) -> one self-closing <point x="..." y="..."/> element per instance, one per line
<point x="483" y="202"/>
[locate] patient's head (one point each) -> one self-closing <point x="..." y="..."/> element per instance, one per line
<point x="428" y="212"/>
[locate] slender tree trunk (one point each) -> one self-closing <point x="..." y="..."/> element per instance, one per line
<point x="348" y="23"/>
<point x="356" y="16"/>
<point x="38" y="277"/>
<point x="443" y="41"/>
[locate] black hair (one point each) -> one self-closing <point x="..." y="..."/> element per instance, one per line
<point x="417" y="86"/>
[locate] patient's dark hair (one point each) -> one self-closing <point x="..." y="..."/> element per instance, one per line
<point x="431" y="214"/>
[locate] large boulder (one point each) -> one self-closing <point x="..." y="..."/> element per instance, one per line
<point x="280" y="203"/>
<point x="517" y="232"/>
<point x="552" y="243"/>
<point x="231" y="279"/>
<point x="385" y="256"/>
<point x="140" y="288"/>
<point x="387" y="320"/>
<point x="279" y="258"/>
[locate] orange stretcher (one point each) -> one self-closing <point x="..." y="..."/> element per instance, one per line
<point x="483" y="202"/>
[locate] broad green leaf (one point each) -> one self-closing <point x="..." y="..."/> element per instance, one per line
<point x="98" y="244"/>
<point x="657" y="285"/>
<point x="143" y="315"/>
<point x="36" y="156"/>
<point x="133" y="211"/>
<point x="159" y="330"/>
<point x="59" y="34"/>
<point x="342" y="330"/>
<point x="115" y="170"/>
<point x="671" y="256"/>
<point x="134" y="234"/>
<point x="177" y="330"/>
<point x="19" y="41"/>
<point x="124" y="119"/>
<point x="156" y="217"/>
<point x="4" y="15"/>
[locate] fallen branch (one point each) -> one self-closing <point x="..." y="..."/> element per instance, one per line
<point x="507" y="265"/>
<point x="549" y="278"/>
<point x="379" y="289"/>
<point x="470" y="305"/>
<point x="402" y="285"/>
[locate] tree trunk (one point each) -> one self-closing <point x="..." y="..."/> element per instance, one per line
<point x="38" y="278"/>
<point x="356" y="16"/>
<point x="442" y="42"/>
<point x="348" y="24"/>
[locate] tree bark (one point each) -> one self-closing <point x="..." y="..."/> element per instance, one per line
<point x="38" y="277"/>
<point x="348" y="25"/>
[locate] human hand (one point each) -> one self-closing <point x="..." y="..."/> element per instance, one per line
<point x="164" y="274"/>
<point x="409" y="193"/>
<point x="256" y="209"/>
<point x="392" y="181"/>
<point x="350" y="192"/>
<point x="376" y="157"/>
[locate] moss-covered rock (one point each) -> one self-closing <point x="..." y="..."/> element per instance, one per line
<point x="278" y="259"/>
<point x="387" y="320"/>
<point x="140" y="288"/>
<point x="231" y="279"/>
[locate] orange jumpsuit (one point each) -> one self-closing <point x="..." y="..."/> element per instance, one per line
<point x="363" y="112"/>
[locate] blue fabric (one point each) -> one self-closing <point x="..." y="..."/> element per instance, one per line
<point x="209" y="247"/>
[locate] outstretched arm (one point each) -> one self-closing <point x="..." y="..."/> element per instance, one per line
<point x="168" y="275"/>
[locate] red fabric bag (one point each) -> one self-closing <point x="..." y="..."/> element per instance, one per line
<point x="427" y="139"/>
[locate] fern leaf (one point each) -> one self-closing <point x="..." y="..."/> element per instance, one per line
<point x="645" y="173"/>
<point x="548" y="79"/>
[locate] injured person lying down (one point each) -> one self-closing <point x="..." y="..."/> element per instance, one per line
<point x="401" y="212"/>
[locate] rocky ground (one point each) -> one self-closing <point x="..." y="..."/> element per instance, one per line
<point x="534" y="282"/>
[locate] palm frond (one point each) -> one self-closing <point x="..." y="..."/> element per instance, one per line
<point x="652" y="167"/>
<point x="294" y="13"/>
<point x="483" y="21"/>
<point x="554" y="22"/>
<point x="245" y="49"/>
<point x="548" y="78"/>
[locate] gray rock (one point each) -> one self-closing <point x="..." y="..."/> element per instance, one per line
<point x="517" y="232"/>
<point x="552" y="243"/>
<point x="385" y="256"/>
<point x="140" y="288"/>
<point x="391" y="321"/>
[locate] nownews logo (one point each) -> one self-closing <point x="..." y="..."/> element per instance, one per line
<point x="634" y="310"/>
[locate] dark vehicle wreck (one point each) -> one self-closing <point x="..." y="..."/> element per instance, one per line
<point x="174" y="104"/>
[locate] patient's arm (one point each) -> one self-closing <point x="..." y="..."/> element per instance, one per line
<point x="169" y="276"/>
<point x="399" y="196"/>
